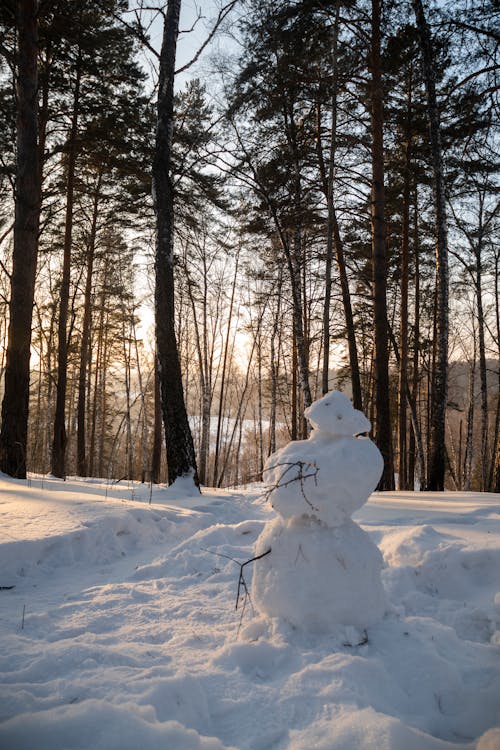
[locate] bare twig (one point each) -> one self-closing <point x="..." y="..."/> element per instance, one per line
<point x="299" y="477"/>
<point x="222" y="15"/>
<point x="241" y="579"/>
<point x="242" y="584"/>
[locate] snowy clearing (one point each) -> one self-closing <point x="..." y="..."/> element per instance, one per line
<point x="121" y="630"/>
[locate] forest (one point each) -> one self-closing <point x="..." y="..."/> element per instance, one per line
<point x="191" y="253"/>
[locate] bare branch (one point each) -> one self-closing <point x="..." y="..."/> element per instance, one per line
<point x="471" y="27"/>
<point x="299" y="477"/>
<point x="220" y="18"/>
<point x="138" y="31"/>
<point x="471" y="76"/>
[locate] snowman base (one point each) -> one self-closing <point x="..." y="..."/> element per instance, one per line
<point x="318" y="576"/>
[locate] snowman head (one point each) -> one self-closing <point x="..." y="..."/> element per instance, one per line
<point x="335" y="415"/>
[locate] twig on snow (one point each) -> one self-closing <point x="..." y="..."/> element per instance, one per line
<point x="242" y="584"/>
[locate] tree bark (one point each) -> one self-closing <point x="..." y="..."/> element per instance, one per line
<point x="181" y="459"/>
<point x="468" y="456"/>
<point x="157" y="436"/>
<point x="494" y="479"/>
<point x="415" y="364"/>
<point x="382" y="431"/>
<point x="60" y="437"/>
<point x="483" y="375"/>
<point x="403" y="364"/>
<point x="85" y="341"/>
<point x="274" y="365"/>
<point x="225" y="362"/>
<point x="439" y="397"/>
<point x="334" y="241"/>
<point x="15" y="405"/>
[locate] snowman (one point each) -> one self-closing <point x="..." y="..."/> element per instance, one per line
<point x="323" y="570"/>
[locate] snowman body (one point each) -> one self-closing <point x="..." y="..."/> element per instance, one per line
<point x="323" y="568"/>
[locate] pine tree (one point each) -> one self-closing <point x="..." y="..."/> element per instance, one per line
<point x="181" y="460"/>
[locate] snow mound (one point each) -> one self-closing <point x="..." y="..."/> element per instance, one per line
<point x="100" y="726"/>
<point x="435" y="573"/>
<point x="366" y="729"/>
<point x="104" y="540"/>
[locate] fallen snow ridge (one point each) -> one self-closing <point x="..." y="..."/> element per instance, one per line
<point x="121" y="632"/>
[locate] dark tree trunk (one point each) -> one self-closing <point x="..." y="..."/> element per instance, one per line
<point x="357" y="397"/>
<point x="99" y="368"/>
<point x="403" y="483"/>
<point x="415" y="364"/>
<point x="181" y="459"/>
<point x="467" y="467"/>
<point x="225" y="362"/>
<point x="60" y="437"/>
<point x="494" y="479"/>
<point x="156" y="451"/>
<point x="439" y="397"/>
<point x="15" y="405"/>
<point x="334" y="241"/>
<point x="483" y="375"/>
<point x="294" y="404"/>
<point x="382" y="431"/>
<point x="496" y="470"/>
<point x="274" y="365"/>
<point x="85" y="342"/>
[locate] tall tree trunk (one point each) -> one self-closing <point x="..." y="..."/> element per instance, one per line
<point x="85" y="340"/>
<point x="144" y="412"/>
<point x="334" y="241"/>
<point x="415" y="363"/>
<point x="225" y="362"/>
<point x="495" y="487"/>
<point x="294" y="417"/>
<point x="357" y="395"/>
<point x="382" y="431"/>
<point x="15" y="404"/>
<point x="293" y="258"/>
<point x="204" y="371"/>
<point x="403" y="364"/>
<point x="260" y="441"/>
<point x="127" y="356"/>
<point x="181" y="459"/>
<point x="439" y="399"/>
<point x="274" y="365"/>
<point x="483" y="375"/>
<point x="157" y="436"/>
<point x="468" y="456"/>
<point x="103" y="398"/>
<point x="60" y="437"/>
<point x="98" y="366"/>
<point x="494" y="478"/>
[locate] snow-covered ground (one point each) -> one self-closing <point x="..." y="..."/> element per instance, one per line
<point x="121" y="630"/>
